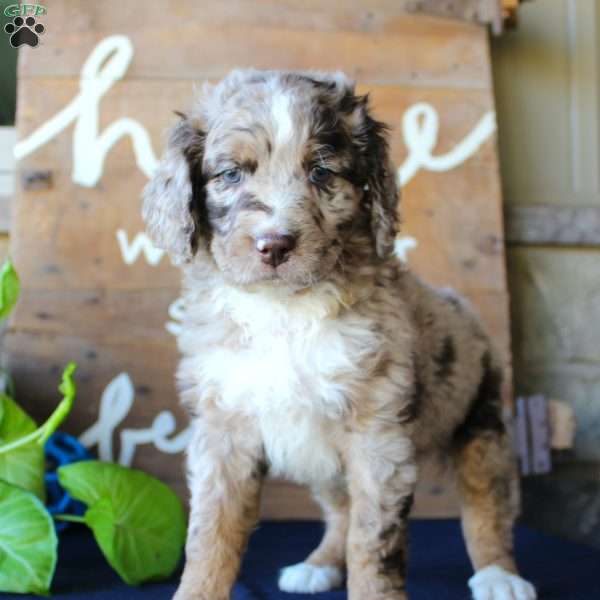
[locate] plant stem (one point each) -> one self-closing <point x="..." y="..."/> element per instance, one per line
<point x="69" y="518"/>
<point x="60" y="413"/>
<point x="21" y="441"/>
<point x="53" y="422"/>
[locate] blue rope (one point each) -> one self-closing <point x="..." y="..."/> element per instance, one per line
<point x="62" y="449"/>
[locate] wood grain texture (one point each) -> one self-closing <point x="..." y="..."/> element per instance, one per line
<point x="376" y="42"/>
<point x="487" y="12"/>
<point x="4" y="246"/>
<point x="81" y="300"/>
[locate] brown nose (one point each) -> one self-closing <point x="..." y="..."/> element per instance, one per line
<point x="275" y="248"/>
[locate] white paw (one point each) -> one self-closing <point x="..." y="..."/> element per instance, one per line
<point x="494" y="583"/>
<point x="309" y="579"/>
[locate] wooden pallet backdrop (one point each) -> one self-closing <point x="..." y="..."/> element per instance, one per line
<point x="93" y="102"/>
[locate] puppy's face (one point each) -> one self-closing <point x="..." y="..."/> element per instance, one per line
<point x="282" y="185"/>
<point x="285" y="171"/>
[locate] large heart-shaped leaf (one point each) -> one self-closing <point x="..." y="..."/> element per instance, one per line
<point x="22" y="466"/>
<point x="138" y="521"/>
<point x="9" y="288"/>
<point x="27" y="542"/>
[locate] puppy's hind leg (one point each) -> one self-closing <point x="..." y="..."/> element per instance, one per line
<point x="486" y="477"/>
<point x="323" y="569"/>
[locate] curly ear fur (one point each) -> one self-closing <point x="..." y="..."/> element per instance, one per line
<point x="173" y="200"/>
<point x="377" y="171"/>
<point x="381" y="192"/>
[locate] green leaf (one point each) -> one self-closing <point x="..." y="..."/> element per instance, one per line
<point x="60" y="413"/>
<point x="138" y="521"/>
<point x="68" y="389"/>
<point x="24" y="465"/>
<point x="27" y="543"/>
<point x="9" y="288"/>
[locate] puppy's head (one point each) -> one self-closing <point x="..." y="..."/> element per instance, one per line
<point x="275" y="175"/>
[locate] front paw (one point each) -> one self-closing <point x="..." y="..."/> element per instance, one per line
<point x="181" y="594"/>
<point x="495" y="583"/>
<point x="305" y="578"/>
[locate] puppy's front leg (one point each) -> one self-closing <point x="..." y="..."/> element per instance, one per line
<point x="382" y="476"/>
<point x="225" y="471"/>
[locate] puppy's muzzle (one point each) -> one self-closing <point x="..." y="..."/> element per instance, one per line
<point x="275" y="248"/>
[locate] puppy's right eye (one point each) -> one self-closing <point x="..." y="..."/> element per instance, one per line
<point x="232" y="176"/>
<point x="320" y="175"/>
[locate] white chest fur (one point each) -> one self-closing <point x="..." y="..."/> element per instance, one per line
<point x="300" y="445"/>
<point x="293" y="364"/>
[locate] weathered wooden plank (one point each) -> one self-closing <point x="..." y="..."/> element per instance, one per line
<point x="4" y="246"/>
<point x="376" y="16"/>
<point x="36" y="358"/>
<point x="487" y="12"/>
<point x="539" y="224"/>
<point x="208" y="39"/>
<point x="453" y="114"/>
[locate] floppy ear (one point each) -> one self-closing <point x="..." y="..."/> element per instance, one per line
<point x="174" y="206"/>
<point x="381" y="190"/>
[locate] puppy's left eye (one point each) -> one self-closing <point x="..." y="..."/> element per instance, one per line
<point x="320" y="175"/>
<point x="232" y="176"/>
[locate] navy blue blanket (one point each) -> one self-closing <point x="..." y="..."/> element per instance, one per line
<point x="438" y="568"/>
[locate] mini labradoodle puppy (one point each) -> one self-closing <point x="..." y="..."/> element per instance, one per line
<point x="310" y="352"/>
